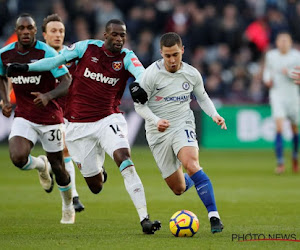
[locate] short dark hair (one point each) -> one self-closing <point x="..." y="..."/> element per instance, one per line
<point x="170" y="39"/>
<point x="284" y="32"/>
<point x="51" y="18"/>
<point x="113" y="21"/>
<point x="24" y="15"/>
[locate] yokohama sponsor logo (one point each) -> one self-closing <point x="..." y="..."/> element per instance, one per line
<point x="99" y="77"/>
<point x="26" y="80"/>
<point x="136" y="62"/>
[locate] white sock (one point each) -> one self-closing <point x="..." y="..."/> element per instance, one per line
<point x="71" y="170"/>
<point x="34" y="162"/>
<point x="135" y="189"/>
<point x="213" y="214"/>
<point x="66" y="196"/>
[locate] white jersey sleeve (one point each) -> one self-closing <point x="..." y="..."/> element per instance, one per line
<point x="202" y="97"/>
<point x="267" y="69"/>
<point x="147" y="83"/>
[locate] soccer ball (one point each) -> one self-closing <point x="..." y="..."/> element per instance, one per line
<point x="184" y="223"/>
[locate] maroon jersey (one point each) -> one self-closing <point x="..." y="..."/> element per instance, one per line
<point x="25" y="83"/>
<point x="98" y="81"/>
<point x="64" y="99"/>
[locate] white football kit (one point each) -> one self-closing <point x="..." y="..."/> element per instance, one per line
<point x="284" y="94"/>
<point x="51" y="136"/>
<point x="169" y="97"/>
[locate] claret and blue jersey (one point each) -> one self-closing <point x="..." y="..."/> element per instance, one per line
<point x="99" y="80"/>
<point x="25" y="83"/>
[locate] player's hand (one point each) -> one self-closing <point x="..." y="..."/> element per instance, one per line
<point x="6" y="109"/>
<point x="138" y="94"/>
<point x="41" y="100"/>
<point x="269" y="84"/>
<point x="296" y="75"/>
<point x="162" y="125"/>
<point x="285" y="71"/>
<point x="220" y="121"/>
<point x="16" y="68"/>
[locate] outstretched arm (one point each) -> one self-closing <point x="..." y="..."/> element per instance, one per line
<point x="44" y="64"/>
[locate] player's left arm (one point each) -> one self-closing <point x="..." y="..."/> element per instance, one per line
<point x="42" y="99"/>
<point x="206" y="104"/>
<point x="295" y="72"/>
<point x="296" y="75"/>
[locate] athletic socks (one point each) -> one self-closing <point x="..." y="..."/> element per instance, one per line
<point x="279" y="148"/>
<point x="135" y="189"/>
<point x="205" y="190"/>
<point x="34" y="162"/>
<point x="66" y="196"/>
<point x="295" y="142"/>
<point x="188" y="182"/>
<point x="71" y="170"/>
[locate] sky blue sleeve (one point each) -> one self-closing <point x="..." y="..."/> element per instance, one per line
<point x="51" y="62"/>
<point x="59" y="70"/>
<point x="76" y="50"/>
<point x="133" y="65"/>
<point x="4" y="49"/>
<point x="2" y="69"/>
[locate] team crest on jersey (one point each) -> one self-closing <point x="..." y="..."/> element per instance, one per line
<point x="71" y="47"/>
<point x="117" y="65"/>
<point x="185" y="85"/>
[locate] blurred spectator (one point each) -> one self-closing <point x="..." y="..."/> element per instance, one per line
<point x="277" y="23"/>
<point x="225" y="40"/>
<point x="106" y="10"/>
<point x="230" y="28"/>
<point x="257" y="34"/>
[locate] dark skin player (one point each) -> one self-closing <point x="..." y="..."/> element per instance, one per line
<point x="19" y="147"/>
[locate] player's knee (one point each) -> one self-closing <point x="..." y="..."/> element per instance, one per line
<point x="95" y="189"/>
<point x="178" y="190"/>
<point x="18" y="160"/>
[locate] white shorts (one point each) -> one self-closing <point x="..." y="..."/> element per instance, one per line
<point x="285" y="108"/>
<point x="165" y="153"/>
<point x="88" y="142"/>
<point x="51" y="136"/>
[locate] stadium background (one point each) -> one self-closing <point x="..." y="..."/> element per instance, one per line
<point x="225" y="40"/>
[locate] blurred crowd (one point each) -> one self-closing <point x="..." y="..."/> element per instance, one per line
<point x="224" y="39"/>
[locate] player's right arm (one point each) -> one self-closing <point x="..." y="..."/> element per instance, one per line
<point x="267" y="79"/>
<point x="147" y="84"/>
<point x="4" y="92"/>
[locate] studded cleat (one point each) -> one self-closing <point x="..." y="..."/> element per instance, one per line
<point x="45" y="177"/>
<point x="78" y="206"/>
<point x="68" y="216"/>
<point x="149" y="227"/>
<point x="216" y="225"/>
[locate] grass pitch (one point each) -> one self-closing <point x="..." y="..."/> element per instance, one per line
<point x="251" y="200"/>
